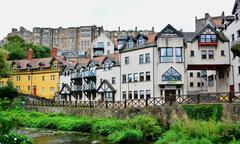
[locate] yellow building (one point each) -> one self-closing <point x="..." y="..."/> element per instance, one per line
<point x="37" y="77"/>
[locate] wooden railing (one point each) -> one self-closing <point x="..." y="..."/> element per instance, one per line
<point x="156" y="101"/>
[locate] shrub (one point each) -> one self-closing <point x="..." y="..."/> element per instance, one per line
<point x="148" y="125"/>
<point x="14" y="138"/>
<point x="8" y="91"/>
<point x="107" y="126"/>
<point x="170" y="137"/>
<point x="204" y="111"/>
<point x="126" y="136"/>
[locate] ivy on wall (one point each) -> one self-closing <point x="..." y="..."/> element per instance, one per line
<point x="204" y="111"/>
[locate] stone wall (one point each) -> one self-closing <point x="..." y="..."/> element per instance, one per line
<point x="166" y="114"/>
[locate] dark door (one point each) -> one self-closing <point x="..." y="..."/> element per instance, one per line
<point x="170" y="95"/>
<point x="34" y="90"/>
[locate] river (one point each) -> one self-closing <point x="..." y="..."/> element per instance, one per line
<point x="46" y="136"/>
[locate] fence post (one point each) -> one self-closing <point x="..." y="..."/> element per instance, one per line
<point x="198" y="98"/>
<point x="63" y="104"/>
<point x="75" y="103"/>
<point x="42" y="103"/>
<point x="106" y="104"/>
<point x="230" y="96"/>
<point x="146" y="102"/>
<point x="90" y="103"/>
<point x="154" y="101"/>
<point x="125" y="103"/>
<point x="52" y="103"/>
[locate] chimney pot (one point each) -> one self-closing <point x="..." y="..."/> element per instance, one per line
<point x="30" y="54"/>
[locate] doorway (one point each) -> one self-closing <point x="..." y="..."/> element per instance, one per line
<point x="170" y="95"/>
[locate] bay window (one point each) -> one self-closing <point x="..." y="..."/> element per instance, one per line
<point x="166" y="55"/>
<point x="178" y="53"/>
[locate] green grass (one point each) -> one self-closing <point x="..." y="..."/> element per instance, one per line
<point x="117" y="130"/>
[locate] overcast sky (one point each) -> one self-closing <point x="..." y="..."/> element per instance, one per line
<point x="110" y="13"/>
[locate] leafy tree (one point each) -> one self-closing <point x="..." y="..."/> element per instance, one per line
<point x="4" y="67"/>
<point x="18" y="48"/>
<point x="8" y="91"/>
<point x="236" y="49"/>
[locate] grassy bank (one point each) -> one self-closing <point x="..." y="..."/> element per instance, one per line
<point x="141" y="128"/>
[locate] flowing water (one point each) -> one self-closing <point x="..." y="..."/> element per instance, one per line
<point x="46" y="136"/>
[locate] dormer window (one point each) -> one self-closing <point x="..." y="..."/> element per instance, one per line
<point x="208" y="38"/>
<point x="141" y="41"/>
<point x="130" y="44"/>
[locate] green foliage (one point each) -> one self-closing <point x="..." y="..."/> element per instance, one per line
<point x="14" y="138"/>
<point x="108" y="126"/>
<point x="148" y="125"/>
<point x="8" y="91"/>
<point x="204" y="111"/>
<point x="4" y="66"/>
<point x="5" y="124"/>
<point x="17" y="49"/>
<point x="236" y="49"/>
<point x="126" y="136"/>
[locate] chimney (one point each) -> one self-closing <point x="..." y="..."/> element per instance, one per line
<point x="207" y="15"/>
<point x="119" y="28"/>
<point x="135" y="28"/>
<point x="153" y="29"/>
<point x="54" y="52"/>
<point x="30" y="54"/>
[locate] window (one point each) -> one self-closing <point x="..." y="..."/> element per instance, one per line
<point x="222" y="53"/>
<point x="208" y="38"/>
<point x="135" y="94"/>
<point x="52" y="89"/>
<point x="100" y="45"/>
<point x="148" y="76"/>
<point x="238" y="69"/>
<point x="108" y="52"/>
<point x="124" y="95"/>
<point x="18" y="78"/>
<point x="198" y="74"/>
<point x="221" y="75"/>
<point x="141" y="41"/>
<point x="178" y="53"/>
<point x="192" y="53"/>
<point x="108" y="43"/>
<point x="29" y="78"/>
<point x="148" y="94"/>
<point x="204" y="54"/>
<point x="141" y="59"/>
<point x="126" y="60"/>
<point x="42" y="89"/>
<point x="141" y="76"/>
<point x="191" y="84"/>
<point x="52" y="77"/>
<point x="135" y="77"/>
<point x="166" y="55"/>
<point x="124" y="78"/>
<point x="29" y="88"/>
<point x="238" y="33"/>
<point x="130" y="95"/>
<point x="141" y="93"/>
<point x="130" y="44"/>
<point x="233" y="37"/>
<point x="199" y="84"/>
<point x="113" y="80"/>
<point x="211" y="54"/>
<point x="129" y="77"/>
<point x="171" y="75"/>
<point x="147" y="58"/>
<point x="191" y="74"/>
<point x="43" y="78"/>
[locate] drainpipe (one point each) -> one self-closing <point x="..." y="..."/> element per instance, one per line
<point x="120" y="81"/>
<point x="153" y="73"/>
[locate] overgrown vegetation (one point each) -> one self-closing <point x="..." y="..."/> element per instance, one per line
<point x="204" y="132"/>
<point x="236" y="49"/>
<point x="17" y="48"/>
<point x="204" y="111"/>
<point x="141" y="128"/>
<point x="8" y="91"/>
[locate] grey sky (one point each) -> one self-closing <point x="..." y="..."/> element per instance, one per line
<point x="110" y="13"/>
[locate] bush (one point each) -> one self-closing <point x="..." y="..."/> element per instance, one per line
<point x="148" y="125"/>
<point x="204" y="111"/>
<point x="107" y="126"/>
<point x="14" y="138"/>
<point x="126" y="136"/>
<point x="5" y="124"/>
<point x="8" y="91"/>
<point x="170" y="137"/>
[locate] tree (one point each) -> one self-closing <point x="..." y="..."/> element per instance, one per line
<point x="8" y="91"/>
<point x="4" y="66"/>
<point x="236" y="49"/>
<point x="17" y="49"/>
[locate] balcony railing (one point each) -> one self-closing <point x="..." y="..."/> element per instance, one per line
<point x="91" y="73"/>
